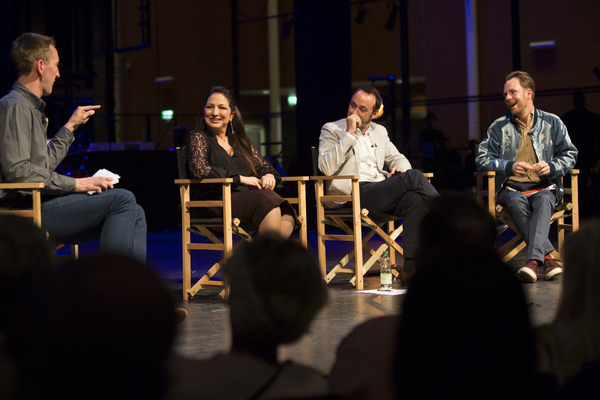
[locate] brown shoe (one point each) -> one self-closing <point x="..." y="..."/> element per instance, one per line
<point x="529" y="271"/>
<point x="552" y="269"/>
<point x="407" y="277"/>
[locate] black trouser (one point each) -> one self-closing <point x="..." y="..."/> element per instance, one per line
<point x="404" y="195"/>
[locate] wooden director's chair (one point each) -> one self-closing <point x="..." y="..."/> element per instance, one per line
<point x="35" y="213"/>
<point x="351" y="219"/>
<point x="219" y="231"/>
<point x="566" y="213"/>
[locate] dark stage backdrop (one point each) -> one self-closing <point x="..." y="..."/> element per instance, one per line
<point x="149" y="175"/>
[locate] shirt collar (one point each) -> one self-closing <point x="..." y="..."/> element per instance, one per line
<point x="530" y="117"/>
<point x="36" y="102"/>
<point x="368" y="131"/>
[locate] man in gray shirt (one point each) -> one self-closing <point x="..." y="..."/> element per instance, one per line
<point x="69" y="214"/>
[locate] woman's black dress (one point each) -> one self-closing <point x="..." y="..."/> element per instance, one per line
<point x="207" y="159"/>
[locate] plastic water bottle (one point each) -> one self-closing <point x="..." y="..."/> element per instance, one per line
<point x="385" y="273"/>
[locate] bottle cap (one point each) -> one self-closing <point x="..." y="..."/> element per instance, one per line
<point x="386" y="252"/>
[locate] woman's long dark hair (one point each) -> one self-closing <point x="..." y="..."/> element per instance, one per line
<point x="238" y="139"/>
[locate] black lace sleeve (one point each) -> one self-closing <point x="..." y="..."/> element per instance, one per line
<point x="262" y="166"/>
<point x="197" y="157"/>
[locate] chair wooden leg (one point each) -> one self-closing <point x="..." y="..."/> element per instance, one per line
<point x="75" y="252"/>
<point x="185" y="241"/>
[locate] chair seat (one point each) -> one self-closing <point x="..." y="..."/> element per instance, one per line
<point x="346" y="214"/>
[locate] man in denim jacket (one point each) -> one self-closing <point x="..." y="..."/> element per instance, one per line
<point x="530" y="150"/>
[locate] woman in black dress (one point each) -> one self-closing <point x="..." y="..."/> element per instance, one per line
<point x="220" y="148"/>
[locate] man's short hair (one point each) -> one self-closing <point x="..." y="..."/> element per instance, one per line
<point x="525" y="79"/>
<point x="372" y="91"/>
<point x="27" y="49"/>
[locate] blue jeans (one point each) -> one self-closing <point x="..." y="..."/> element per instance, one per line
<point x="112" y="216"/>
<point x="532" y="216"/>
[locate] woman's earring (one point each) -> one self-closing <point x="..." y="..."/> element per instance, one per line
<point x="231" y="123"/>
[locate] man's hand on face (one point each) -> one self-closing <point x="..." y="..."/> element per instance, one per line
<point x="521" y="168"/>
<point x="81" y="115"/>
<point x="396" y="171"/>
<point x="353" y="122"/>
<point x="542" y="168"/>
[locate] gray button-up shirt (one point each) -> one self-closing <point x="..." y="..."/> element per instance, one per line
<point x="25" y="155"/>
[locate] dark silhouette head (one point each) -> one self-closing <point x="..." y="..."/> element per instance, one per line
<point x="579" y="99"/>
<point x="25" y="260"/>
<point x="103" y="330"/>
<point x="275" y="291"/>
<point x="464" y="331"/>
<point x="454" y="222"/>
<point x="579" y="303"/>
<point x="431" y="120"/>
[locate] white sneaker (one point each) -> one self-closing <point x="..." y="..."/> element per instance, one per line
<point x="529" y="272"/>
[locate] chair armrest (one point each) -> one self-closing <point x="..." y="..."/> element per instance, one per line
<point x="295" y="179"/>
<point x="206" y="180"/>
<point x="485" y="173"/>
<point x="22" y="185"/>
<point x="333" y="177"/>
<point x="573" y="172"/>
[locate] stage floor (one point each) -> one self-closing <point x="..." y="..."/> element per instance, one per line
<point x="206" y="331"/>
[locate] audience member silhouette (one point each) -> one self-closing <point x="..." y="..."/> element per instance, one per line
<point x="573" y="337"/>
<point x="465" y="332"/>
<point x="101" y="329"/>
<point x="25" y="260"/>
<point x="434" y="147"/>
<point x="470" y="167"/>
<point x="275" y="291"/>
<point x="364" y="361"/>
<point x="584" y="129"/>
<point x="584" y="385"/>
<point x="454" y="222"/>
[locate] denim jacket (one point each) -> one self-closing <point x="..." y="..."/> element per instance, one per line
<point x="551" y="143"/>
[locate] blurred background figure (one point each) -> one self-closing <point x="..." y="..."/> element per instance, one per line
<point x="275" y="291"/>
<point x="101" y="329"/>
<point x="470" y="167"/>
<point x="584" y="129"/>
<point x="25" y="261"/>
<point x="434" y="146"/>
<point x="573" y="338"/>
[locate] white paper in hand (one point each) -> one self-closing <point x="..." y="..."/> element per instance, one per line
<point x="105" y="173"/>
